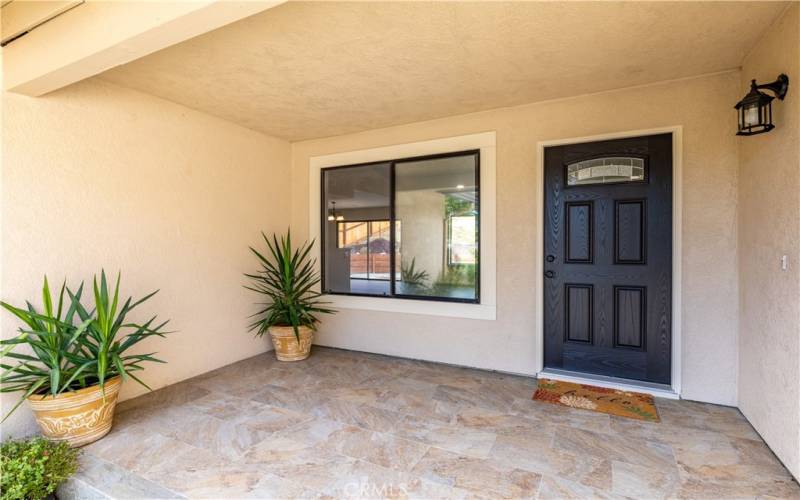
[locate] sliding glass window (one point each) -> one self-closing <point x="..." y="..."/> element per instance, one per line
<point x="406" y="228"/>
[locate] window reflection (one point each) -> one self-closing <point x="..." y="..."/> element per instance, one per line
<point x="438" y="201"/>
<point x="432" y="216"/>
<point x="357" y="237"/>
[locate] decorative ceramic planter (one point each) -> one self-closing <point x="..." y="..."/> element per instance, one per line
<point x="80" y="417"/>
<point x="286" y="346"/>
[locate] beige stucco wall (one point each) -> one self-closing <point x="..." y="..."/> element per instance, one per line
<point x="769" y="227"/>
<point x="95" y="175"/>
<point x="710" y="296"/>
<point x="423" y="240"/>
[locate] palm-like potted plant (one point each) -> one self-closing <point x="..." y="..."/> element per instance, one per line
<point x="286" y="280"/>
<point x="78" y="359"/>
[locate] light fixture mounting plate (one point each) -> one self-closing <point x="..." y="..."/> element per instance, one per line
<point x="779" y="87"/>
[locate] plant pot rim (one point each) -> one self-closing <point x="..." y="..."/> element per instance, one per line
<point x="112" y="385"/>
<point x="290" y="327"/>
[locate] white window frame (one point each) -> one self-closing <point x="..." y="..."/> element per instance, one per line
<point x="486" y="142"/>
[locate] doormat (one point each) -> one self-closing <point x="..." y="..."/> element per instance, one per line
<point x="588" y="397"/>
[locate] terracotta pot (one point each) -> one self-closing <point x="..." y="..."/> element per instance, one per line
<point x="80" y="417"/>
<point x="286" y="346"/>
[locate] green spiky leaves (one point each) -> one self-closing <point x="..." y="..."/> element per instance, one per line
<point x="286" y="280"/>
<point x="72" y="347"/>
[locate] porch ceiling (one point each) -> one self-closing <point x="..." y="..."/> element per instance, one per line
<point x="311" y="69"/>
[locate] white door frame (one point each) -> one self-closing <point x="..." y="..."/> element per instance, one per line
<point x="677" y="241"/>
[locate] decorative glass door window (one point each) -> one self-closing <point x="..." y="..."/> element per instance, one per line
<point x="611" y="170"/>
<point x="437" y="257"/>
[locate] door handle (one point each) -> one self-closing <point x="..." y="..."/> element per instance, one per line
<point x="550" y="258"/>
<point x="550" y="274"/>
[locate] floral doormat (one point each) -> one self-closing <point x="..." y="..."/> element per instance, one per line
<point x="612" y="401"/>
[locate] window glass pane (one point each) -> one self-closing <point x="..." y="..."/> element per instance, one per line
<point x="437" y="201"/>
<point x="351" y="233"/>
<point x="356" y="229"/>
<point x="379" y="250"/>
<point x="461" y="244"/>
<point x="605" y="171"/>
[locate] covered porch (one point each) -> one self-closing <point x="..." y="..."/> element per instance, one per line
<point x="491" y="194"/>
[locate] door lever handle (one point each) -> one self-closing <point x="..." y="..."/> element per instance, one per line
<point x="550" y="274"/>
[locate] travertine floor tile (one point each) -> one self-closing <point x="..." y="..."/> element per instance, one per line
<point x="361" y="415"/>
<point x="233" y="480"/>
<point x="722" y="419"/>
<point x="302" y="401"/>
<point x="635" y="481"/>
<point x="382" y="449"/>
<point x="476" y="475"/>
<point x="170" y="396"/>
<point x="417" y="403"/>
<point x="557" y="488"/>
<point x="117" y="481"/>
<point x="638" y="452"/>
<point x="544" y="459"/>
<point x="561" y="415"/>
<point x="735" y="481"/>
<point x="480" y="397"/>
<point x="463" y="440"/>
<point x="223" y="405"/>
<point x="352" y="425"/>
<point x="226" y="438"/>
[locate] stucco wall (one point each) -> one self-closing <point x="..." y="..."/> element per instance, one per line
<point x="710" y="296"/>
<point x="423" y="237"/>
<point x="769" y="227"/>
<point x="95" y="175"/>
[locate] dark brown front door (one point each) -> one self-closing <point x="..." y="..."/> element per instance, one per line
<point x="608" y="258"/>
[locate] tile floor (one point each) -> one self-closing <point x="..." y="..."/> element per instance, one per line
<point x="346" y="424"/>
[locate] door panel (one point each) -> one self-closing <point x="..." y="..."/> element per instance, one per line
<point x="579" y="313"/>
<point x="608" y="257"/>
<point x="579" y="232"/>
<point x="630" y="310"/>
<point x="629" y="221"/>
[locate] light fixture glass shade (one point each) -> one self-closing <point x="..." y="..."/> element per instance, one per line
<point x="750" y="115"/>
<point x="331" y="217"/>
<point x="754" y="111"/>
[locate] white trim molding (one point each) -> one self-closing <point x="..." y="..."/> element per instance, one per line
<point x="677" y="248"/>
<point x="486" y="142"/>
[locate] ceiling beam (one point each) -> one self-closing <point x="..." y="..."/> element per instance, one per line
<point x="98" y="35"/>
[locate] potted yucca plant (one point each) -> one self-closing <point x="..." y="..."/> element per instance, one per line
<point x="78" y="359"/>
<point x="286" y="280"/>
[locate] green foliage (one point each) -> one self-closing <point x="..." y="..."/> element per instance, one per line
<point x="286" y="280"/>
<point x="109" y="337"/>
<point x="32" y="469"/>
<point x="411" y="276"/>
<point x="457" y="206"/>
<point x="459" y="275"/>
<point x="73" y="347"/>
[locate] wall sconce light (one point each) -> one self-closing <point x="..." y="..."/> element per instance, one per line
<point x="755" y="109"/>
<point x="332" y="215"/>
